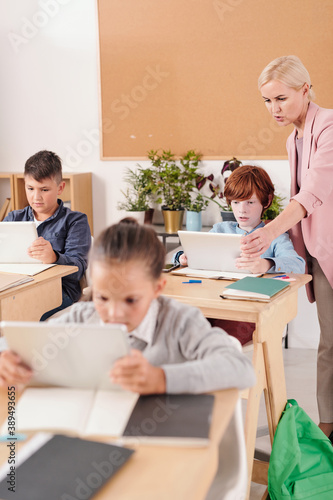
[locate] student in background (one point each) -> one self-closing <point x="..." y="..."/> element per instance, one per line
<point x="174" y="348"/>
<point x="64" y="235"/>
<point x="250" y="191"/>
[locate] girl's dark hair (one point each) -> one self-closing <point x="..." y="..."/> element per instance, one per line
<point x="129" y="241"/>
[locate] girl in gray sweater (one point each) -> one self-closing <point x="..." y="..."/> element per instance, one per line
<point x="174" y="348"/>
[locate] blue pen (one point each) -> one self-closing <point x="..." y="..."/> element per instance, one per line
<point x="282" y="276"/>
<point x="192" y="281"/>
<point x="16" y="437"/>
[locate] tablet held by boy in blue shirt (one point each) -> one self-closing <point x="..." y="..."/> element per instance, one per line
<point x="64" y="235"/>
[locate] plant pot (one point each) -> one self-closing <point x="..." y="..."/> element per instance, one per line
<point x="193" y="221"/>
<point x="227" y="215"/>
<point x="149" y="216"/>
<point x="173" y="220"/>
<point x="139" y="216"/>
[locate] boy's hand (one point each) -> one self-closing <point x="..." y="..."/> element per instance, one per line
<point x="183" y="260"/>
<point x="12" y="370"/>
<point x="134" y="373"/>
<point x="255" y="265"/>
<point x="41" y="249"/>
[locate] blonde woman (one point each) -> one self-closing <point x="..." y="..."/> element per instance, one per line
<point x="286" y="89"/>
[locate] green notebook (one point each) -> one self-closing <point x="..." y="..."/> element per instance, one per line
<point x="250" y="288"/>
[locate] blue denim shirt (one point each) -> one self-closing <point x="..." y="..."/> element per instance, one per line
<point x="281" y="251"/>
<point x="70" y="237"/>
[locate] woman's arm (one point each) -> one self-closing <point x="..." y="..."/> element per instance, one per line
<point x="259" y="241"/>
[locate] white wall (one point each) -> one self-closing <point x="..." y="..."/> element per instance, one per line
<point x="50" y="99"/>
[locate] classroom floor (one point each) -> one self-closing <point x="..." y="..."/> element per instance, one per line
<point x="300" y="371"/>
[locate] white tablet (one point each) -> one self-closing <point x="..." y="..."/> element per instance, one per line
<point x="68" y="355"/>
<point x="15" y="239"/>
<point x="211" y="251"/>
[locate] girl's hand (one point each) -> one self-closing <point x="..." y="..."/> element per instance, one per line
<point x="255" y="265"/>
<point x="183" y="260"/>
<point x="12" y="370"/>
<point x="134" y="373"/>
<point x="256" y="243"/>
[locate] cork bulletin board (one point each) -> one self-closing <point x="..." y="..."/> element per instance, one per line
<point x="182" y="74"/>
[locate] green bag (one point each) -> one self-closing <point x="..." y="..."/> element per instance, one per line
<point x="301" y="462"/>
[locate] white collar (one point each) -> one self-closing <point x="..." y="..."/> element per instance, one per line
<point x="146" y="330"/>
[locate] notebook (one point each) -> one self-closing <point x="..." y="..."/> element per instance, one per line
<point x="211" y="252"/>
<point x="250" y="288"/>
<point x="11" y="280"/>
<point x="61" y="467"/>
<point x="70" y="354"/>
<point x="15" y="239"/>
<point x="27" y="269"/>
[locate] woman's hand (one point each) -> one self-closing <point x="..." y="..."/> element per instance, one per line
<point x="134" y="373"/>
<point x="255" y="244"/>
<point x="255" y="265"/>
<point x="12" y="370"/>
<point x="183" y="260"/>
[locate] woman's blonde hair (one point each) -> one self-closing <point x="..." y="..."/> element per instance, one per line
<point x="289" y="70"/>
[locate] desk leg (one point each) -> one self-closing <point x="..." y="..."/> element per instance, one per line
<point x="252" y="408"/>
<point x="274" y="367"/>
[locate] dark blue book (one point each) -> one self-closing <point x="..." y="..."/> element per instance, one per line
<point x="64" y="468"/>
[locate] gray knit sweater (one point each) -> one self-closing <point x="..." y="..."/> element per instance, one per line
<point x="195" y="357"/>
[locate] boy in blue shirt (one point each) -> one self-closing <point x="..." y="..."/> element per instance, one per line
<point x="64" y="235"/>
<point x="249" y="191"/>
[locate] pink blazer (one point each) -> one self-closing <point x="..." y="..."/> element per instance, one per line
<point x="315" y="231"/>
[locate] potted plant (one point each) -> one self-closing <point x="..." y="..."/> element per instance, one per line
<point x="138" y="194"/>
<point x="274" y="210"/>
<point x="175" y="181"/>
<point x="217" y="194"/>
<point x="194" y="208"/>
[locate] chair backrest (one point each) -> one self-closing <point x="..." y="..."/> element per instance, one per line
<point x="85" y="280"/>
<point x="230" y="482"/>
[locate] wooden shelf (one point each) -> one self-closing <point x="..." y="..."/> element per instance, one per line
<point x="77" y="192"/>
<point x="6" y="191"/>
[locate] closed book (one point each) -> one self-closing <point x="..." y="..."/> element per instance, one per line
<point x="261" y="289"/>
<point x="182" y="419"/>
<point x="61" y="468"/>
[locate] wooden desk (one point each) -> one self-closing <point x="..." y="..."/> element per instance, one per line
<point x="270" y="319"/>
<point x="30" y="301"/>
<point x="156" y="472"/>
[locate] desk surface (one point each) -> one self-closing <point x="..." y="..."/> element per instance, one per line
<point x="156" y="472"/>
<point x="206" y="296"/>
<point x="29" y="301"/>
